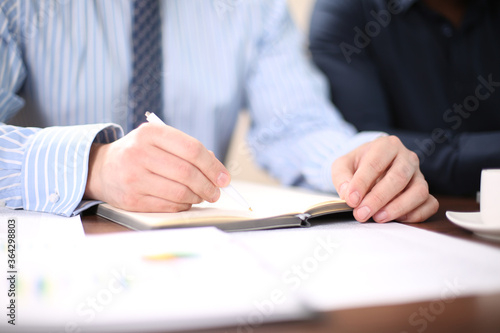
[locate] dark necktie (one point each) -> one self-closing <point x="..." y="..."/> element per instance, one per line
<point x="145" y="88"/>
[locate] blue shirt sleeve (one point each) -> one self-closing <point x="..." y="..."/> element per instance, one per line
<point x="12" y="69"/>
<point x="46" y="169"/>
<point x="40" y="169"/>
<point x="296" y="132"/>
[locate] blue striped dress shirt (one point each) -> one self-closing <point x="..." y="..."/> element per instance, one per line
<point x="65" y="67"/>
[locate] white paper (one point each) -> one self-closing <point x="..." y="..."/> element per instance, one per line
<point x="26" y="237"/>
<point x="126" y="282"/>
<point x="106" y="282"/>
<point x="349" y="264"/>
<point x="41" y="227"/>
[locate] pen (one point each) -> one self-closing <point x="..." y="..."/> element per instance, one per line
<point x="229" y="190"/>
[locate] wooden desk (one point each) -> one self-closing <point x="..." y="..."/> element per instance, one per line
<point x="466" y="314"/>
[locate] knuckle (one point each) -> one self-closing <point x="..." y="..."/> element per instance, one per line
<point x="422" y="189"/>
<point x="209" y="190"/>
<point x="402" y="176"/>
<point x="416" y="216"/>
<point x="340" y="160"/>
<point x="363" y="184"/>
<point x="193" y="148"/>
<point x="141" y="132"/>
<point x="182" y="194"/>
<point x="422" y="193"/>
<point x="176" y="208"/>
<point x="434" y="205"/>
<point x="395" y="210"/>
<point x="378" y="199"/>
<point x="183" y="207"/>
<point x="185" y="171"/>
<point x="394" y="140"/>
<point x="413" y="158"/>
<point x="377" y="165"/>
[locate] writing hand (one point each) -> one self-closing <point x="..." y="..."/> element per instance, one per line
<point x="382" y="179"/>
<point x="155" y="168"/>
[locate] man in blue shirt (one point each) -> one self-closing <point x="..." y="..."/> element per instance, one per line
<point x="66" y="70"/>
<point x="427" y="71"/>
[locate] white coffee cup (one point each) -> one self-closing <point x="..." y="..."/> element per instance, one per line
<point x="490" y="197"/>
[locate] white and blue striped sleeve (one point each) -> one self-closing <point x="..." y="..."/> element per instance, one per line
<point x="40" y="169"/>
<point x="296" y="132"/>
<point x="46" y="169"/>
<point x="12" y="68"/>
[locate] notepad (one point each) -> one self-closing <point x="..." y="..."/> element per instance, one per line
<point x="273" y="207"/>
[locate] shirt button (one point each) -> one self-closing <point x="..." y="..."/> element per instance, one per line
<point x="447" y="30"/>
<point x="54" y="197"/>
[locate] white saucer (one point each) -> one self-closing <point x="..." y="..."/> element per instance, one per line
<point x="472" y="221"/>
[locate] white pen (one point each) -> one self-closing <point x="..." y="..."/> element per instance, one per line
<point x="229" y="190"/>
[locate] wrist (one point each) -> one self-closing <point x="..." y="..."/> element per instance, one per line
<point x="93" y="186"/>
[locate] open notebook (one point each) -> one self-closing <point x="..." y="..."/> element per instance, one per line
<point x="273" y="207"/>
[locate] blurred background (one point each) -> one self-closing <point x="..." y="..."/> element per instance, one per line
<point x="239" y="161"/>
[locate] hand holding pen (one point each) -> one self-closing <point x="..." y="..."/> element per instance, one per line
<point x="154" y="168"/>
<point x="229" y="189"/>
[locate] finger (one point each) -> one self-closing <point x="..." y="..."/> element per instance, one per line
<point x="150" y="204"/>
<point x="188" y="148"/>
<point x="166" y="189"/>
<point x="342" y="171"/>
<point x="394" y="182"/>
<point x="415" y="195"/>
<point x="175" y="169"/>
<point x="374" y="163"/>
<point x="422" y="213"/>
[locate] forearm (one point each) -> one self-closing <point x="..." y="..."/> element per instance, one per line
<point x="297" y="133"/>
<point x="47" y="169"/>
<point x="453" y="164"/>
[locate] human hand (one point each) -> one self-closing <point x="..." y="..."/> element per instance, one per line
<point x="155" y="168"/>
<point x="382" y="179"/>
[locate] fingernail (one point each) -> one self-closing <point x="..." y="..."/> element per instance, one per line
<point x="223" y="180"/>
<point x="363" y="213"/>
<point x="381" y="216"/>
<point x="354" y="198"/>
<point x="342" y="189"/>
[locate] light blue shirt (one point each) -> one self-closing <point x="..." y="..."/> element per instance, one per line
<point x="64" y="73"/>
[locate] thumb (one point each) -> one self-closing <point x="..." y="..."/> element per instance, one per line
<point x="342" y="173"/>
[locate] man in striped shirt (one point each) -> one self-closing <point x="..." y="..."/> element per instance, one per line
<point x="65" y="69"/>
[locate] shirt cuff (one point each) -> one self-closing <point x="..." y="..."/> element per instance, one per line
<point x="55" y="166"/>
